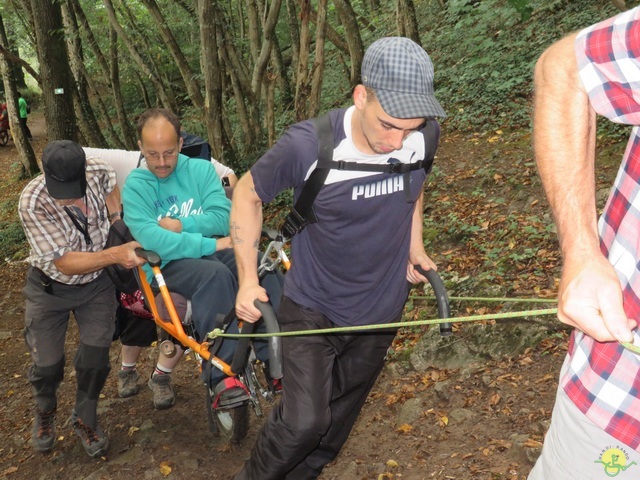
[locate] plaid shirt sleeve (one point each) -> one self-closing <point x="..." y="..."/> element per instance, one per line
<point x="608" y="59"/>
<point x="51" y="233"/>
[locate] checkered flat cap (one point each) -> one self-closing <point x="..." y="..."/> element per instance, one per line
<point x="401" y="73"/>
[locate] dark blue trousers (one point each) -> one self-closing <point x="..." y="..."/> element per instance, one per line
<point x="211" y="284"/>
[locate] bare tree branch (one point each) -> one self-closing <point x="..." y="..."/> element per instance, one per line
<point x="10" y="57"/>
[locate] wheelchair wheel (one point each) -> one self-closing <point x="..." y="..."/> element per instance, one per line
<point x="231" y="424"/>
<point x="4" y="137"/>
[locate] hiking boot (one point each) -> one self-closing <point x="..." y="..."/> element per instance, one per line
<point x="127" y="383"/>
<point x="94" y="440"/>
<point x="230" y="393"/>
<point x="163" y="396"/>
<point x="43" y="434"/>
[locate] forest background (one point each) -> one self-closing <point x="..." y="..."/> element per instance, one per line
<point x="238" y="72"/>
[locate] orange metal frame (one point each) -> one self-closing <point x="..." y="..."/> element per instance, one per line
<point x="173" y="325"/>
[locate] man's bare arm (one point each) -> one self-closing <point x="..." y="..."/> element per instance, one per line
<point x="417" y="254"/>
<point x="590" y="296"/>
<point x="245" y="229"/>
<point x="564" y="144"/>
<point x="114" y="203"/>
<point x="81" y="263"/>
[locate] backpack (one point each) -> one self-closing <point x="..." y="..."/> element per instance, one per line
<point x="123" y="278"/>
<point x="194" y="146"/>
<point x="302" y="214"/>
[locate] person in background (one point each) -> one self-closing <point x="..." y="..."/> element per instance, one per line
<point x="23" y="114"/>
<point x="595" y="424"/>
<point x="65" y="214"/>
<point x="4" y="115"/>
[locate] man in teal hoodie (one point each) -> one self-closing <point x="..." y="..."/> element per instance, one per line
<point x="177" y="207"/>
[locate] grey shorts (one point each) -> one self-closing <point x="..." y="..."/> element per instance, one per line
<point x="575" y="448"/>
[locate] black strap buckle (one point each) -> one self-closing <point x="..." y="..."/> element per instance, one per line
<point x="46" y="282"/>
<point x="293" y="224"/>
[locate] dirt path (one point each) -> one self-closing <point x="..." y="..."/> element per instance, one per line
<point x="484" y="421"/>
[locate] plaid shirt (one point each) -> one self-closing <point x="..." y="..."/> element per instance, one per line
<point x="603" y="379"/>
<point x="51" y="232"/>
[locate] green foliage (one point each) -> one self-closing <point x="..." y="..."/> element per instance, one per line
<point x="523" y="7"/>
<point x="12" y="241"/>
<point x="484" y="53"/>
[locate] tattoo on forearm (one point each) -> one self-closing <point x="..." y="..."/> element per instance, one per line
<point x="235" y="238"/>
<point x="256" y="244"/>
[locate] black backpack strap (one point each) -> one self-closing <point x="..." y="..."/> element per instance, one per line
<point x="302" y="213"/>
<point x="380" y="168"/>
<point x="431" y="134"/>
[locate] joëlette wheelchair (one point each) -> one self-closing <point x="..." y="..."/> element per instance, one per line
<point x="232" y="424"/>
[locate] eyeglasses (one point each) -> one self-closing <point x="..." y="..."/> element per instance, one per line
<point x="155" y="156"/>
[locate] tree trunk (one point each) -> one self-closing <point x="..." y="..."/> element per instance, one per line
<point x="239" y="76"/>
<point x="302" y="74"/>
<point x="17" y="62"/>
<point x="407" y="21"/>
<point x="135" y="55"/>
<point x="270" y="117"/>
<point x="143" y="91"/>
<point x="330" y="34"/>
<point x="126" y="127"/>
<point x="354" y="41"/>
<point x="115" y="140"/>
<point x="28" y="162"/>
<point x="280" y="72"/>
<point x="86" y="118"/>
<point x="211" y="71"/>
<point x="57" y="79"/>
<point x="253" y="29"/>
<point x="318" y="63"/>
<point x="128" y="132"/>
<point x="294" y="32"/>
<point x="262" y="61"/>
<point x="233" y="59"/>
<point x="189" y="78"/>
<point x="148" y="46"/>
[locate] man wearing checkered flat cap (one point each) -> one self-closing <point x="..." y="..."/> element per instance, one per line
<point x="351" y="261"/>
<point x="65" y="214"/>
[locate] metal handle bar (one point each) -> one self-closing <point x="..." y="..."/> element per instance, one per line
<point x="152" y="258"/>
<point x="442" y="300"/>
<point x="275" y="343"/>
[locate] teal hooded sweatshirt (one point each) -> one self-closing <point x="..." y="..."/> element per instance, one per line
<point x="193" y="193"/>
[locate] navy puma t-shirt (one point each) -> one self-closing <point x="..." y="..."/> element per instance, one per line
<point x="351" y="264"/>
